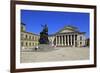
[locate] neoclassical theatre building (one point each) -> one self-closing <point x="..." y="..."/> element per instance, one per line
<point x="68" y="36"/>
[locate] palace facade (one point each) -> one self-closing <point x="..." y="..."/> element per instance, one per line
<point x="28" y="39"/>
<point x="68" y="36"/>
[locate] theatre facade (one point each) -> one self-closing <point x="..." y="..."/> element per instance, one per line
<point x="68" y="36"/>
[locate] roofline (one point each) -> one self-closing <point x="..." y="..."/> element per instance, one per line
<point x="23" y="23"/>
<point x="68" y="33"/>
<point x="55" y="33"/>
<point x="30" y="33"/>
<point x="69" y="29"/>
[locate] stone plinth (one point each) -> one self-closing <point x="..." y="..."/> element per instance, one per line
<point x="44" y="47"/>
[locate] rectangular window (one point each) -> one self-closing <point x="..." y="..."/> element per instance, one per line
<point x="22" y="35"/>
<point x="80" y="37"/>
<point x="80" y="43"/>
<point x="30" y="44"/>
<point x="26" y="44"/>
<point x="21" y="43"/>
<point x="33" y="37"/>
<point x="26" y="36"/>
<point x="29" y="37"/>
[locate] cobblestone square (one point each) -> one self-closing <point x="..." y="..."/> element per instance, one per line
<point x="58" y="54"/>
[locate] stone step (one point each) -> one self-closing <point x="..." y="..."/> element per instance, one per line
<point x="41" y="47"/>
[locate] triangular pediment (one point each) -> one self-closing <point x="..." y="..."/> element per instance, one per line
<point x="68" y="29"/>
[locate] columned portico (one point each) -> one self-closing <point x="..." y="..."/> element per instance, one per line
<point x="66" y="40"/>
<point x="69" y="37"/>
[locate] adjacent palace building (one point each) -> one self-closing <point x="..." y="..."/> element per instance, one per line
<point x="28" y="39"/>
<point x="68" y="36"/>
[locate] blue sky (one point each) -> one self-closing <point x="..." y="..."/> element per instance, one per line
<point x="55" y="20"/>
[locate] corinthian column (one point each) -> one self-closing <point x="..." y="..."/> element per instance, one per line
<point x="68" y="39"/>
<point x="74" y="40"/>
<point x="71" y="39"/>
<point x="59" y="40"/>
<point x="65" y="39"/>
<point x="62" y="40"/>
<point x="56" y="40"/>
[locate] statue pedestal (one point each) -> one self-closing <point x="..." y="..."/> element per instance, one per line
<point x="44" y="47"/>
